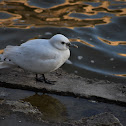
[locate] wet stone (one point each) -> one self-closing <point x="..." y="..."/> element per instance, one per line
<point x="7" y="107"/>
<point x="104" y="119"/>
<point x="66" y="84"/>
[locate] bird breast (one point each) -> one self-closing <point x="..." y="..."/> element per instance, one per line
<point x="47" y="65"/>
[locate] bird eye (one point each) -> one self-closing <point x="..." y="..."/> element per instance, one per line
<point x="63" y="43"/>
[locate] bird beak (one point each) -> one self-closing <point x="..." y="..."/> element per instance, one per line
<point x="72" y="45"/>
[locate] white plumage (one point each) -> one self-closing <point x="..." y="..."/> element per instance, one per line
<point x="39" y="55"/>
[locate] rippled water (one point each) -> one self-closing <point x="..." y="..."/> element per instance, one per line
<point x="99" y="28"/>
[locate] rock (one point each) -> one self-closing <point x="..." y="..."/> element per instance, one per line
<point x="8" y="107"/>
<point x="104" y="119"/>
<point x="67" y="84"/>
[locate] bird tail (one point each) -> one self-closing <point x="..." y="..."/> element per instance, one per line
<point x="3" y="62"/>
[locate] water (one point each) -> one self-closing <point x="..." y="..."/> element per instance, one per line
<point x="98" y="28"/>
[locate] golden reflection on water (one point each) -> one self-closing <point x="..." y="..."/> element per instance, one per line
<point x="81" y="41"/>
<point x="122" y="54"/>
<point x="113" y="43"/>
<point x="27" y="16"/>
<point x="120" y="75"/>
<point x="1" y="51"/>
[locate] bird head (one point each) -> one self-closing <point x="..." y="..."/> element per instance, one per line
<point x="61" y="42"/>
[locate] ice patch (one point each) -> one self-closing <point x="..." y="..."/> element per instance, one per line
<point x="80" y="57"/>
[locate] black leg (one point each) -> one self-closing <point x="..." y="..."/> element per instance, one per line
<point x="39" y="78"/>
<point x="43" y="79"/>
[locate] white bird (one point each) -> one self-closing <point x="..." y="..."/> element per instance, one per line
<point x="39" y="56"/>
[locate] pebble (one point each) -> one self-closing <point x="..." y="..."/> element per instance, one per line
<point x="48" y="33"/>
<point x="76" y="71"/>
<point x="111" y="59"/>
<point x="92" y="61"/>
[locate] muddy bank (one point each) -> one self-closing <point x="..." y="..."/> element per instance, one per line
<point x="31" y="113"/>
<point x="66" y="84"/>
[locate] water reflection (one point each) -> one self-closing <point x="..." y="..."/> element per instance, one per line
<point x="84" y="42"/>
<point x="113" y="43"/>
<point x="69" y="13"/>
<point x="120" y="75"/>
<point x="51" y="108"/>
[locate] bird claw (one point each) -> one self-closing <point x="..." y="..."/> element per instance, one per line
<point x="39" y="79"/>
<point x="50" y="82"/>
<point x="46" y="81"/>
